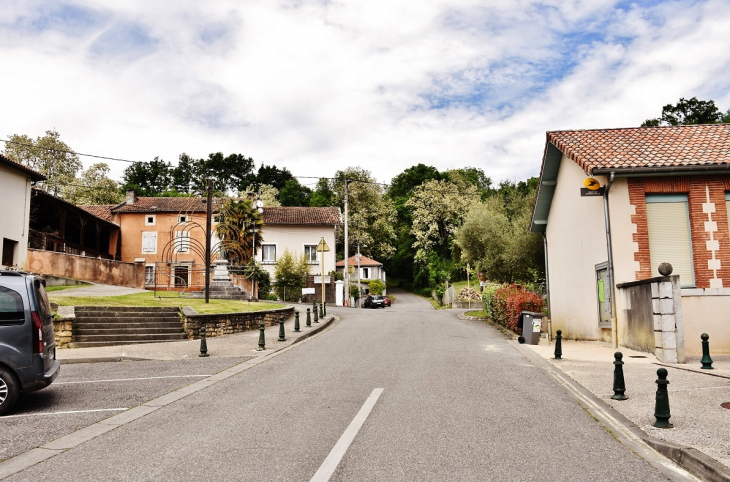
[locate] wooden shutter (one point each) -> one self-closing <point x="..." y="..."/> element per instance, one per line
<point x="149" y="242"/>
<point x="669" y="235"/>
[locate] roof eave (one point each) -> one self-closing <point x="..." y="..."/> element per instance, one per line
<point x="546" y="188"/>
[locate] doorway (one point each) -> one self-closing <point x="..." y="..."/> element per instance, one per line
<point x="9" y="247"/>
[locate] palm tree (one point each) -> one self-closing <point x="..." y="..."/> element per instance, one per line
<point x="240" y="226"/>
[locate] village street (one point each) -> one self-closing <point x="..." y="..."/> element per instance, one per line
<point x="434" y="398"/>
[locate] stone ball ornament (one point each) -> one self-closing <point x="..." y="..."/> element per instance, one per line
<point x="665" y="269"/>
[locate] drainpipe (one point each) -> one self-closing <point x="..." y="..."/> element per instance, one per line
<point x="547" y="286"/>
<point x="606" y="213"/>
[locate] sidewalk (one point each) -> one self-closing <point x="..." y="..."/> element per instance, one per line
<point x="695" y="395"/>
<point x="234" y="345"/>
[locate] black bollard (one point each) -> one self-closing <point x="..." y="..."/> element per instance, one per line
<point x="706" y="360"/>
<point x="324" y="308"/>
<point x="619" y="386"/>
<point x="296" y="321"/>
<point x="203" y="344"/>
<point x="559" y="345"/>
<point x="309" y="320"/>
<point x="316" y="317"/>
<point x="281" y="329"/>
<point x="321" y="311"/>
<point x="661" y="409"/>
<point x="262" y="337"/>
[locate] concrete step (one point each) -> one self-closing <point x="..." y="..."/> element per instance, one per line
<point x="126" y="331"/>
<point x="128" y="320"/>
<point x="129" y="337"/>
<point x="104" y="309"/>
<point x="87" y="344"/>
<point x="125" y="314"/>
<point x="103" y="325"/>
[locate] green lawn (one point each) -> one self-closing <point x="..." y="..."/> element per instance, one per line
<point x="165" y="299"/>
<point x="64" y="287"/>
<point x="477" y="314"/>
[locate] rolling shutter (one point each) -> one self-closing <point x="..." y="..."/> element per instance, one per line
<point x="669" y="235"/>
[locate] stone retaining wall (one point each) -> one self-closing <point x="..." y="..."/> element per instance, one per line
<point x="63" y="331"/>
<point x="227" y="323"/>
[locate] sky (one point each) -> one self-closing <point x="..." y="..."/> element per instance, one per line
<point x="319" y="85"/>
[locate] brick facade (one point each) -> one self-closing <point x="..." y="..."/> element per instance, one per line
<point x="709" y="228"/>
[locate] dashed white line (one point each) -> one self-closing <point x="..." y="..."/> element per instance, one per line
<point x="131" y="379"/>
<point x="338" y="451"/>
<point x="64" y="413"/>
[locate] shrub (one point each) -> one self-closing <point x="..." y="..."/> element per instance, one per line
<point x="505" y="303"/>
<point x="376" y="287"/>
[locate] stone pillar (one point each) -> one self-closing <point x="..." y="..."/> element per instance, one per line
<point x="666" y="301"/>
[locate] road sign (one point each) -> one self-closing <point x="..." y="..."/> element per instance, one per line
<point x="322" y="246"/>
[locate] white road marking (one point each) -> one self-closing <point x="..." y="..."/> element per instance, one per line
<point x="338" y="451"/>
<point x="64" y="413"/>
<point x="131" y="379"/>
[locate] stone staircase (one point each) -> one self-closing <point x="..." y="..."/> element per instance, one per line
<point x="114" y="325"/>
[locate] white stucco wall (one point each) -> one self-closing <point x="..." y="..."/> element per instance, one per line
<point x="576" y="234"/>
<point x="15" y="187"/>
<point x="293" y="238"/>
<point x="706" y="314"/>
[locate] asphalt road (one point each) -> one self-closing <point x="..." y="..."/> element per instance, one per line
<point x="458" y="403"/>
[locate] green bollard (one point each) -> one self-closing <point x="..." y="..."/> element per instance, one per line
<point x="706" y="360"/>
<point x="321" y="311"/>
<point x="325" y="308"/>
<point x="203" y="344"/>
<point x="661" y="409"/>
<point x="281" y="329"/>
<point x="619" y="386"/>
<point x="262" y="337"/>
<point x="309" y="320"/>
<point x="296" y="321"/>
<point x="559" y="345"/>
<point x="316" y="317"/>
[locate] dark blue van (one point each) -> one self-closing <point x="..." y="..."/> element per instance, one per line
<point x="27" y="344"/>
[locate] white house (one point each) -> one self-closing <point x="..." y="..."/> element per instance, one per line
<point x="664" y="197"/>
<point x="364" y="270"/>
<point x="300" y="230"/>
<point x="15" y="184"/>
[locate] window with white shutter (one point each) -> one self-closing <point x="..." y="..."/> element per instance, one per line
<point x="149" y="242"/>
<point x="182" y="241"/>
<point x="670" y="240"/>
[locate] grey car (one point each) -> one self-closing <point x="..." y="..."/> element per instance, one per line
<point x="27" y="344"/>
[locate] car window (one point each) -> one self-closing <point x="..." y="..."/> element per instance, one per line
<point x="11" y="307"/>
<point x="44" y="306"/>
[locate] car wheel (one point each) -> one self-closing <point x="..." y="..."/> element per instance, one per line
<point x="9" y="390"/>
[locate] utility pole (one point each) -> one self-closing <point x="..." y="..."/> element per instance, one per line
<point x="209" y="209"/>
<point x="347" y="250"/>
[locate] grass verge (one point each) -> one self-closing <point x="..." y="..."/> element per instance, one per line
<point x="477" y="314"/>
<point x="165" y="299"/>
<point x="51" y="289"/>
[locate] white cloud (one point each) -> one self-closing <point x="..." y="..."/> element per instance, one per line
<point x="316" y="86"/>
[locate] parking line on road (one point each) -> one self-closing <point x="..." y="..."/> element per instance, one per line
<point x="64" y="413"/>
<point x="338" y="451"/>
<point x="131" y="379"/>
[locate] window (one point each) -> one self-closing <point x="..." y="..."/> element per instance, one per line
<point x="11" y="307"/>
<point x="149" y="274"/>
<point x="182" y="241"/>
<point x="182" y="276"/>
<point x="9" y="248"/>
<point x="269" y="254"/>
<point x="365" y="273"/>
<point x="182" y="218"/>
<point x="150" y="219"/>
<point x="149" y="242"/>
<point x="669" y="235"/>
<point x="310" y="252"/>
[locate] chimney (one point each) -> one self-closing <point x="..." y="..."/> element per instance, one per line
<point x="130" y="197"/>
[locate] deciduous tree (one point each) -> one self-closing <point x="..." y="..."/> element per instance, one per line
<point x="94" y="187"/>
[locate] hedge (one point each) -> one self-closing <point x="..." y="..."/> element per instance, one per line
<point x="504" y="304"/>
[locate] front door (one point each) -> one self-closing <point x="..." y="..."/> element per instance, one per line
<point x="603" y="290"/>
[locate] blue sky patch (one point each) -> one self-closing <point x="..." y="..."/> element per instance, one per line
<point x="124" y="40"/>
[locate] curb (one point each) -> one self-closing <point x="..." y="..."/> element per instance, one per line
<point x="314" y="331"/>
<point x="690" y="459"/>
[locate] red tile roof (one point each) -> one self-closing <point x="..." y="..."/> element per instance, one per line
<point x="102" y="211"/>
<point x="691" y="145"/>
<point x="164" y="205"/>
<point x="34" y="175"/>
<point x="302" y="215"/>
<point x="364" y="261"/>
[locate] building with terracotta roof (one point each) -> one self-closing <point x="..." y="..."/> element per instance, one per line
<point x="613" y="205"/>
<point x="15" y="184"/>
<point x="363" y="270"/>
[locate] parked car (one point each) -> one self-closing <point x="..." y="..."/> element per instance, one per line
<point x="374" y="301"/>
<point x="387" y="300"/>
<point x="27" y="344"/>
